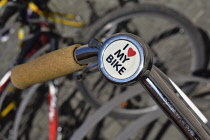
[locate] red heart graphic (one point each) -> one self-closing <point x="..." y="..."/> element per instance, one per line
<point x="131" y="52"/>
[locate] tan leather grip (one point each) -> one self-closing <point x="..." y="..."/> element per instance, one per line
<point x="47" y="67"/>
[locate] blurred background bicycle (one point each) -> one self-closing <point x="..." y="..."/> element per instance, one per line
<point x="196" y="11"/>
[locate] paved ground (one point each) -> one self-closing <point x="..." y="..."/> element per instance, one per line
<point x="196" y="11"/>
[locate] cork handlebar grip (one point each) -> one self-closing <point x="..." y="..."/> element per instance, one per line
<point x="47" y="67"/>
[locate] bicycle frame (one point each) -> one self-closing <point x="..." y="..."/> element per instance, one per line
<point x="28" y="52"/>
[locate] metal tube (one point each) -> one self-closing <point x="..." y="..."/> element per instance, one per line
<point x="164" y="95"/>
<point x="86" y="55"/>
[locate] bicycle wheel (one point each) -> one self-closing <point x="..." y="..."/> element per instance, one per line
<point x="175" y="42"/>
<point x="26" y="112"/>
<point x="10" y="98"/>
<point x="31" y="120"/>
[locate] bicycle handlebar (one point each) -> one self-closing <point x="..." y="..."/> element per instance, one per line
<point x="123" y="59"/>
<point x="47" y="67"/>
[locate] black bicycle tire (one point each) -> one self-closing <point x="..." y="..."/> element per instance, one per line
<point x="29" y="93"/>
<point x="3" y="95"/>
<point x="199" y="53"/>
<point x="31" y="90"/>
<point x="160" y="9"/>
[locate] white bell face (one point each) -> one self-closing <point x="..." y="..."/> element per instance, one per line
<point x="121" y="59"/>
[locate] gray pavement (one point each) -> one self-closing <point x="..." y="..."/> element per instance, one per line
<point x="197" y="11"/>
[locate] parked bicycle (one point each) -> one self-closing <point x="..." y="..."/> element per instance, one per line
<point x="42" y="38"/>
<point x="133" y="105"/>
